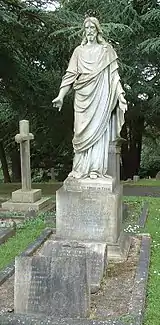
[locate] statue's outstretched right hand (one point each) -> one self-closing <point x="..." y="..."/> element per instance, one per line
<point x="57" y="102"/>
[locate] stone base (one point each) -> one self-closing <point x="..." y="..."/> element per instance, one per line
<point x="37" y="206"/>
<point x="89" y="214"/>
<point x="96" y="254"/>
<point x="119" y="251"/>
<point x="92" y="214"/>
<point x="26" y="196"/>
<point x="73" y="184"/>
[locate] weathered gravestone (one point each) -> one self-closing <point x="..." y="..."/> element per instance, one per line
<point x="96" y="254"/>
<point x="136" y="178"/>
<point x="54" y="286"/>
<point x="26" y="198"/>
<point x="158" y="176"/>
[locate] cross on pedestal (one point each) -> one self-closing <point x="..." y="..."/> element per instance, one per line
<point x="24" y="138"/>
<point x="26" y="199"/>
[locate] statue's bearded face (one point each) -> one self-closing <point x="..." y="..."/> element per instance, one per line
<point x="90" y="31"/>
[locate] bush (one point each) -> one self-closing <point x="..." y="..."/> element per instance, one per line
<point x="150" y="158"/>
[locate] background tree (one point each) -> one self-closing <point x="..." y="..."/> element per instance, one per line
<point x="30" y="68"/>
<point x="35" y="49"/>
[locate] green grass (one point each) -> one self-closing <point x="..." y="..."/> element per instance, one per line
<point x="143" y="182"/>
<point x="25" y="235"/>
<point x="152" y="313"/>
<point x="47" y="188"/>
<point x="134" y="210"/>
<point x="152" y="309"/>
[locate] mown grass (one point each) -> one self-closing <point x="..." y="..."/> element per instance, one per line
<point x="25" y="235"/>
<point x="134" y="209"/>
<point x="152" y="312"/>
<point x="47" y="188"/>
<point x="152" y="307"/>
<point x="143" y="182"/>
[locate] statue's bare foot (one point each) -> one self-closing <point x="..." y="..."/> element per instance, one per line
<point x="93" y="175"/>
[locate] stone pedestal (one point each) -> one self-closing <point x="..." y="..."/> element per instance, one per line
<point x="89" y="214"/>
<point x="92" y="210"/>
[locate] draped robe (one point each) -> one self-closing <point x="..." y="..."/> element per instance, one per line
<point x="98" y="119"/>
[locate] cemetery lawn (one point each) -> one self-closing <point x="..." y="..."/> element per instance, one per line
<point x="47" y="188"/>
<point x="26" y="234"/>
<point x="152" y="307"/>
<point x="152" y="311"/>
<point x="143" y="182"/>
<point x="135" y="206"/>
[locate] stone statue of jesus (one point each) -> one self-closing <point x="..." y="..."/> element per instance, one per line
<point x="99" y="103"/>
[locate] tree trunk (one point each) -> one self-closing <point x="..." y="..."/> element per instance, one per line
<point x="4" y="163"/>
<point x="16" y="166"/>
<point x="131" y="149"/>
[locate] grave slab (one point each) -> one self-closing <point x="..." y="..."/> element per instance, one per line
<point x="120" y="249"/>
<point x="56" y="287"/>
<point x="6" y="233"/>
<point x="96" y="254"/>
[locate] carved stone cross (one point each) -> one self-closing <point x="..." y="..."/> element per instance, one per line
<point x="24" y="138"/>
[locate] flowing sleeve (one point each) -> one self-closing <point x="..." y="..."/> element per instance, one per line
<point x="72" y="70"/>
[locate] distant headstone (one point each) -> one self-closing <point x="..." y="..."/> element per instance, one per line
<point x="158" y="175"/>
<point x="96" y="259"/>
<point x="135" y="178"/>
<point x="56" y="287"/>
<point x="52" y="174"/>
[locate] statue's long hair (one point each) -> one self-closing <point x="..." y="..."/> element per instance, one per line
<point x="100" y="39"/>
